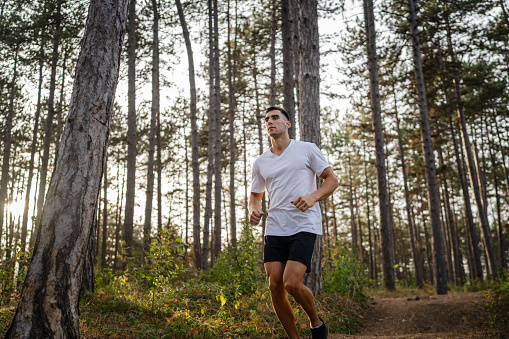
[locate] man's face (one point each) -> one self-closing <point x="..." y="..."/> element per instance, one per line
<point x="276" y="123"/>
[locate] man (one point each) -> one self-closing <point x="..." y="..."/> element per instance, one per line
<point x="288" y="171"/>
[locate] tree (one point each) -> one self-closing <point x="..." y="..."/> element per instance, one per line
<point x="383" y="195"/>
<point x="309" y="109"/>
<point x="288" y="63"/>
<point x="194" y="140"/>
<point x="429" y="161"/>
<point x="127" y="234"/>
<point x="49" y="304"/>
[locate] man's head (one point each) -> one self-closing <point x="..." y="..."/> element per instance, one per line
<point x="277" y="121"/>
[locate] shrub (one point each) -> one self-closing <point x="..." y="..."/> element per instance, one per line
<point x="498" y="306"/>
<point x="347" y="276"/>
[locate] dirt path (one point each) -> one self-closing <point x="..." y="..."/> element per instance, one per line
<point x="458" y="315"/>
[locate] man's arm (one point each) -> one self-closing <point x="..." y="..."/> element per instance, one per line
<point x="255" y="208"/>
<point x="329" y="185"/>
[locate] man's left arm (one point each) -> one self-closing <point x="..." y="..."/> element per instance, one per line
<point x="329" y="185"/>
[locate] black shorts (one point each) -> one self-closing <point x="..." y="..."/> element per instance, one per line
<point x="298" y="247"/>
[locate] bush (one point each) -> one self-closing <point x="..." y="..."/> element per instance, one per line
<point x="498" y="306"/>
<point x="237" y="269"/>
<point x="12" y="276"/>
<point x="347" y="276"/>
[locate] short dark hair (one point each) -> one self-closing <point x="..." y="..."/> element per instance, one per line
<point x="275" y="108"/>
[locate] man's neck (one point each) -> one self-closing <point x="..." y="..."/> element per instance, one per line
<point x="279" y="144"/>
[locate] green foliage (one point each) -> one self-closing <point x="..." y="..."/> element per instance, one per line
<point x="236" y="270"/>
<point x="12" y="275"/>
<point x="498" y="306"/>
<point x="347" y="276"/>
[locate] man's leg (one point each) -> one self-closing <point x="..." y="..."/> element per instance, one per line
<point x="280" y="302"/>
<point x="292" y="279"/>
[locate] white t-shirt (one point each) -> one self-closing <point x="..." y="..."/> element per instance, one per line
<point x="286" y="177"/>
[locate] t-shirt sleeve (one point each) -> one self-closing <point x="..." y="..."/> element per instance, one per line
<point x="317" y="161"/>
<point x="258" y="185"/>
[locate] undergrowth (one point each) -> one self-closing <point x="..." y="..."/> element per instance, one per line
<point x="498" y="306"/>
<point x="168" y="298"/>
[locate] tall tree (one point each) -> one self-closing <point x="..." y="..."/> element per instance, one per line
<point x="152" y="134"/>
<point x="194" y="140"/>
<point x="386" y="235"/>
<point x="49" y="303"/>
<point x="429" y="160"/>
<point x="309" y="110"/>
<point x="127" y="234"/>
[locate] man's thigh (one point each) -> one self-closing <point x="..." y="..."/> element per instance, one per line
<point x="294" y="272"/>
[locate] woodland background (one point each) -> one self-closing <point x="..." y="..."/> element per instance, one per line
<point x="173" y="199"/>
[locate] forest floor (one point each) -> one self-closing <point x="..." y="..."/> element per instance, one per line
<point x="455" y="315"/>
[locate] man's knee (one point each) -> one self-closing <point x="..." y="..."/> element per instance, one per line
<point x="293" y="286"/>
<point x="277" y="288"/>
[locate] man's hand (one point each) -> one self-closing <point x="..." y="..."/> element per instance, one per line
<point x="304" y="203"/>
<point x="256" y="216"/>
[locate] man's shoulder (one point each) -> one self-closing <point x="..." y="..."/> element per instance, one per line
<point x="304" y="144"/>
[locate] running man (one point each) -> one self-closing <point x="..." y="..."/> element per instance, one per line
<point x="288" y="171"/>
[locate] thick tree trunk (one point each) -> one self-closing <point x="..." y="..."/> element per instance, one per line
<point x="7" y="147"/>
<point x="49" y="303"/>
<point x="288" y="63"/>
<point x="127" y="234"/>
<point x="309" y="82"/>
<point x="194" y="137"/>
<point x="427" y="148"/>
<point x="383" y="196"/>
<point x="296" y="54"/>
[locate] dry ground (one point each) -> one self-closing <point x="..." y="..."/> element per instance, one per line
<point x="458" y="315"/>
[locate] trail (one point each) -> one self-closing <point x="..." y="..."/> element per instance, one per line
<point x="459" y="315"/>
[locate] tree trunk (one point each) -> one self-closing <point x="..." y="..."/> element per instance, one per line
<point x="231" y="113"/>
<point x="383" y="196"/>
<point x="60" y="108"/>
<point x="353" y="228"/>
<point x="49" y="303"/>
<point x="4" y="181"/>
<point x="217" y="149"/>
<point x="309" y="82"/>
<point x="464" y="187"/>
<point x="194" y="137"/>
<point x="127" y="234"/>
<point x="474" y="175"/>
<point x="273" y="23"/>
<point x="105" y="213"/>
<point x="118" y="218"/>
<point x="24" y="227"/>
<point x="296" y="53"/>
<point x="147" y="227"/>
<point x="427" y="148"/>
<point x="419" y="278"/>
<point x="288" y="64"/>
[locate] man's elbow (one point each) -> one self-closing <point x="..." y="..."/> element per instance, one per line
<point x="335" y="182"/>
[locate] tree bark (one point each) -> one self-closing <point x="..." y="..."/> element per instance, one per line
<point x="218" y="187"/>
<point x="231" y="120"/>
<point x="427" y="147"/>
<point x="147" y="226"/>
<point x="309" y="119"/>
<point x="127" y="234"/>
<point x="49" y="303"/>
<point x="288" y="64"/>
<point x="383" y="195"/>
<point x="194" y="137"/>
<point x="105" y="213"/>
<point x="273" y="23"/>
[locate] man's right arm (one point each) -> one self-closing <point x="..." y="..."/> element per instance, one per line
<point x="255" y="208"/>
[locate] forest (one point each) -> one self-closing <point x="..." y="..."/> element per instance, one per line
<point x="129" y="132"/>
